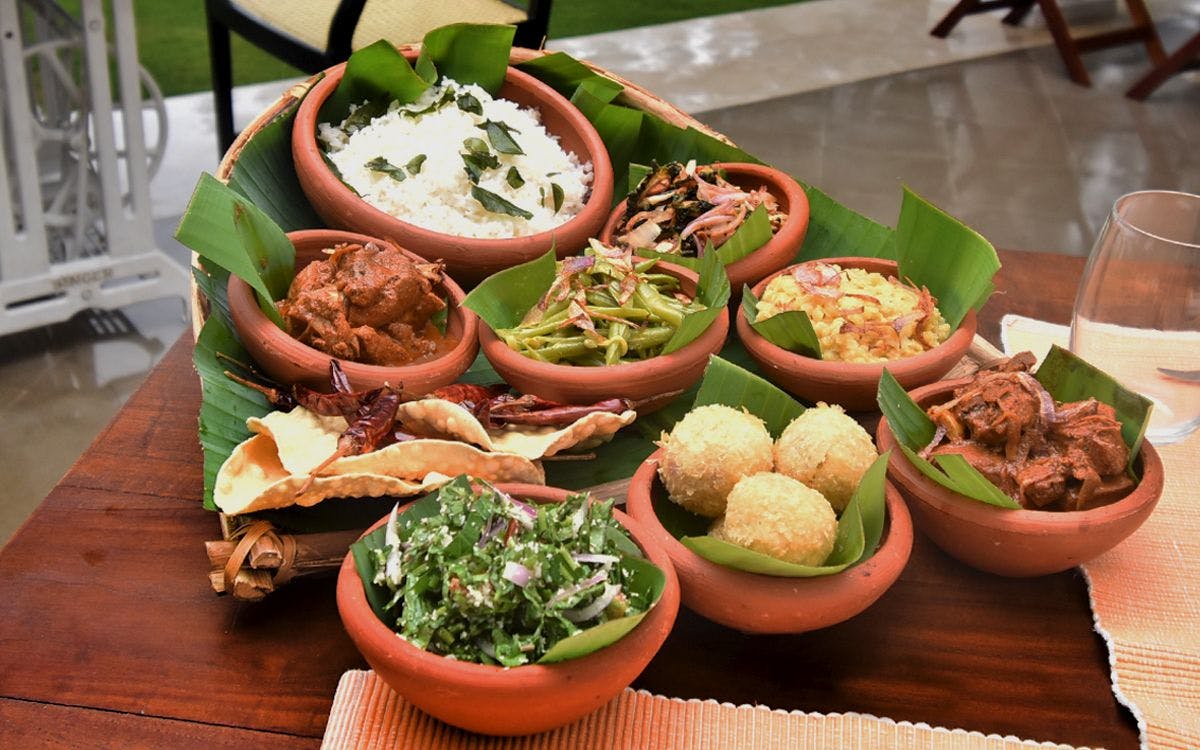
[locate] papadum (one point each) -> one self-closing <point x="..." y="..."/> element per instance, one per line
<point x="433" y="416"/>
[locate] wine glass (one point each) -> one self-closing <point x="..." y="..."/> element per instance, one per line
<point x="1137" y="313"/>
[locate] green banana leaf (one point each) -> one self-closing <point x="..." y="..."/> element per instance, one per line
<point x="646" y="579"/>
<point x="502" y="299"/>
<point x="852" y="545"/>
<point x="712" y="291"/>
<point x="790" y="330"/>
<point x="726" y="383"/>
<point x="262" y="256"/>
<point x="937" y="251"/>
<point x="468" y="53"/>
<point x="835" y="231"/>
<point x="265" y="175"/>
<point x="225" y="404"/>
<point x="376" y="73"/>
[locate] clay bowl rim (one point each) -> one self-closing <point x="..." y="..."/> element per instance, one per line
<point x="893" y="552"/>
<point x="309" y="158"/>
<point x="1017" y="520"/>
<point x="796" y="222"/>
<point x="240" y="294"/>
<point x="601" y="377"/>
<point x="953" y="348"/>
<point x="350" y="595"/>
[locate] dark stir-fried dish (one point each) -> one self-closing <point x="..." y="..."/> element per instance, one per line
<point x="682" y="208"/>
<point x="367" y="303"/>
<point x="1043" y="454"/>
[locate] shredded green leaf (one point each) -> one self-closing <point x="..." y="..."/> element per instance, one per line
<point x="514" y="178"/>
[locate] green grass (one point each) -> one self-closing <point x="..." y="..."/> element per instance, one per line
<point x="173" y="40"/>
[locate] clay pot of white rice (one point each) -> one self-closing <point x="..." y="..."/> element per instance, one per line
<point x="402" y="174"/>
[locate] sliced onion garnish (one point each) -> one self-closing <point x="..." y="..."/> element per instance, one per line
<point x="517" y="573"/>
<point x="526" y="513"/>
<point x="591" y="611"/>
<point x="592" y="557"/>
<point x="1047" y="410"/>
<point x="570" y="591"/>
<point x="904" y="320"/>
<point x="578" y="517"/>
<point x="578" y="263"/>
<point x="643" y="235"/>
<point x="391" y="537"/>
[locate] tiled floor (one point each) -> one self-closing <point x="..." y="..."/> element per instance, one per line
<point x="840" y="92"/>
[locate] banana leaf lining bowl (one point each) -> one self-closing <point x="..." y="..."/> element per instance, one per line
<point x="518" y="700"/>
<point x="754" y="603"/>
<point x="1009" y="542"/>
<point x="851" y="384"/>
<point x="652" y="382"/>
<point x="286" y="360"/>
<point x="468" y="259"/>
<point x="782" y="246"/>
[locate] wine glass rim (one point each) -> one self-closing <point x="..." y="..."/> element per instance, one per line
<point x="1119" y="217"/>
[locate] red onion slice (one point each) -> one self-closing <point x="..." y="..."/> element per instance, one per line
<point x="517" y="573"/>
<point x="570" y="591"/>
<point x="591" y="557"/>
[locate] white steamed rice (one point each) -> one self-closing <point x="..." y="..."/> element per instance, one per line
<point x="439" y="196"/>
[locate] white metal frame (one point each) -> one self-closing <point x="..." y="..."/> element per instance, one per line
<point x="35" y="289"/>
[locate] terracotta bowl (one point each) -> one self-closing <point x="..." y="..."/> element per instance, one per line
<point x="288" y="361"/>
<point x="853" y="385"/>
<point x="780" y="250"/>
<point x="1016" y="543"/>
<point x="754" y="603"/>
<point x="469" y="260"/>
<point x="520" y="700"/>
<point x="637" y="381"/>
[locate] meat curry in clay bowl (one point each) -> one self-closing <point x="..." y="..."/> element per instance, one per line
<point x="385" y="314"/>
<point x="1064" y="465"/>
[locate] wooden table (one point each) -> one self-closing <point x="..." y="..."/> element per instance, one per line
<point x="110" y="633"/>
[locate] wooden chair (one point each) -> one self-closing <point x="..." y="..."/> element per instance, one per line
<point x="315" y="34"/>
<point x="1184" y="57"/>
<point x="1140" y="30"/>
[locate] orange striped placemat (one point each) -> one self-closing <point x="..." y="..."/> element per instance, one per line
<point x="368" y="714"/>
<point x="1145" y="592"/>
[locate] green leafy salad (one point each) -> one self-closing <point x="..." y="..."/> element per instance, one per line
<point x="477" y="575"/>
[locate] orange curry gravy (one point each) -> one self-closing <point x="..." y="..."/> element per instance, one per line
<point x="369" y="304"/>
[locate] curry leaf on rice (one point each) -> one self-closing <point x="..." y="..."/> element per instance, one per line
<point x="497" y="204"/>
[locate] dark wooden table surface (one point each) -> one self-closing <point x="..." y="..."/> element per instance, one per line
<point x="110" y="634"/>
